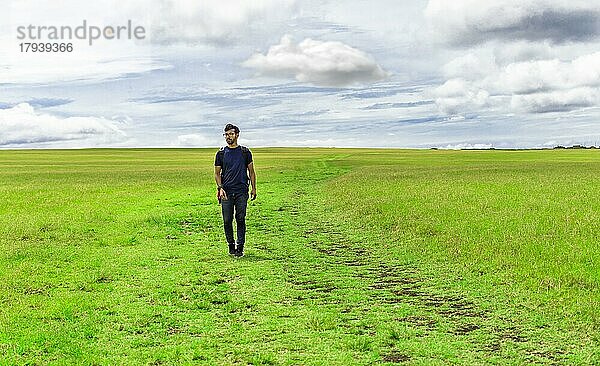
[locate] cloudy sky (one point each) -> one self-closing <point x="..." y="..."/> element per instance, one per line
<point x="373" y="73"/>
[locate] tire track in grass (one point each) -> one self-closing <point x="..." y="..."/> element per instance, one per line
<point x="404" y="284"/>
<point x="388" y="284"/>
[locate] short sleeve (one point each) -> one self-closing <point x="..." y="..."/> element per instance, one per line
<point x="219" y="159"/>
<point x="249" y="157"/>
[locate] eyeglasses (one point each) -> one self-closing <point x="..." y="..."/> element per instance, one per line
<point x="229" y="134"/>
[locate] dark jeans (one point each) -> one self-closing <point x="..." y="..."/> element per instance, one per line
<point x="239" y="201"/>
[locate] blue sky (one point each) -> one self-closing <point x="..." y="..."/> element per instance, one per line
<point x="356" y="73"/>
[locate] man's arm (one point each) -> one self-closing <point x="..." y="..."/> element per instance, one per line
<point x="218" y="175"/>
<point x="220" y="191"/>
<point x="252" y="180"/>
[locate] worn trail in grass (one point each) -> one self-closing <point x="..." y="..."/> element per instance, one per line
<point x="354" y="257"/>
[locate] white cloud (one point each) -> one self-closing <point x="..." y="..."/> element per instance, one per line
<point x="519" y="51"/>
<point x="471" y="66"/>
<point x="530" y="56"/>
<point x="557" y="101"/>
<point x="317" y="62"/>
<point x="194" y="140"/>
<point x="470" y="22"/>
<point x="541" y="75"/>
<point x="21" y="125"/>
<point x="534" y="86"/>
<point x="467" y="146"/>
<point x="459" y="96"/>
<point x="216" y="22"/>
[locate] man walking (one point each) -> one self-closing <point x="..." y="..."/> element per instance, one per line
<point x="233" y="164"/>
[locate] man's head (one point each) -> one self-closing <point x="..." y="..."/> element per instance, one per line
<point x="231" y="134"/>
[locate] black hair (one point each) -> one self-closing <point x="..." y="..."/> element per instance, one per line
<point x="229" y="126"/>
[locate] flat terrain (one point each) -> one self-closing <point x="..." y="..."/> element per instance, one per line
<point x="354" y="257"/>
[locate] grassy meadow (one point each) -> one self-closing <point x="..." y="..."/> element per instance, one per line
<point x="353" y="257"/>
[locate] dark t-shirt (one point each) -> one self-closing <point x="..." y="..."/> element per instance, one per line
<point x="234" y="169"/>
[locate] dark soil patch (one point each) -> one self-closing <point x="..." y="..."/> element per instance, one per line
<point x="493" y="347"/>
<point x="104" y="279"/>
<point x="419" y="321"/>
<point x="464" y="329"/>
<point x="515" y="337"/>
<point x="405" y="286"/>
<point x="399" y="280"/>
<point x="331" y="251"/>
<point x="354" y="263"/>
<point x="402" y="293"/>
<point x="37" y="290"/>
<point x="554" y="356"/>
<point x="510" y="333"/>
<point x="459" y="307"/>
<point x="395" y="357"/>
<point x="311" y="285"/>
<point x="174" y="330"/>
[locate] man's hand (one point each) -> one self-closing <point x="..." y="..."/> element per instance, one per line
<point x="221" y="194"/>
<point x="253" y="194"/>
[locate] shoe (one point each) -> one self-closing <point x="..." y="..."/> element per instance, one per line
<point x="232" y="250"/>
<point x="239" y="250"/>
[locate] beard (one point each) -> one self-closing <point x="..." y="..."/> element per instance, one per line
<point x="229" y="141"/>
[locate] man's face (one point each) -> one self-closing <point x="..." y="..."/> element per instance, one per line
<point x="230" y="137"/>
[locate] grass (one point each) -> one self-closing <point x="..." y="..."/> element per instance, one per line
<point x="354" y="256"/>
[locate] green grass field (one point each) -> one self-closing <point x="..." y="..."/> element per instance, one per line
<point x="354" y="257"/>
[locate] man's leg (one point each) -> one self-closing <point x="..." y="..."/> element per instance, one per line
<point x="227" y="210"/>
<point x="241" y="202"/>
